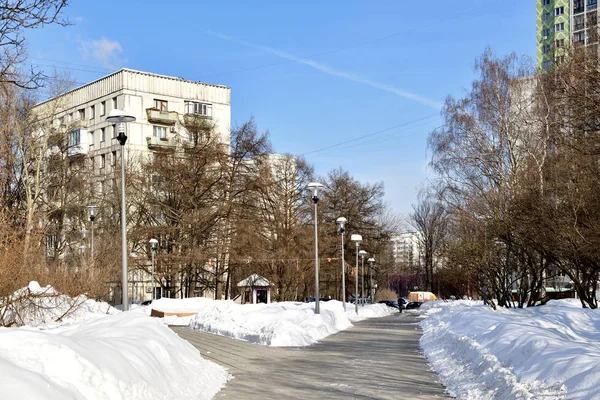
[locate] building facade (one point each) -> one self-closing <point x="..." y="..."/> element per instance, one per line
<point x="162" y="106"/>
<point x="405" y="249"/>
<point x="562" y="23"/>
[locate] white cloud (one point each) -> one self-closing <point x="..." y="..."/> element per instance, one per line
<point x="106" y="52"/>
<point x="339" y="73"/>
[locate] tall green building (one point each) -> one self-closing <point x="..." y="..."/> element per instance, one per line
<point x="561" y="23"/>
<point x="553" y="31"/>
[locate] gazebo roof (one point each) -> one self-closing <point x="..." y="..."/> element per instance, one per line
<point x="254" y="280"/>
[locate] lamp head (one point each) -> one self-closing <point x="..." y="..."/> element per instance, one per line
<point x="356" y="238"/>
<point x="362" y="253"/>
<point x="119" y="116"/>
<point x="92" y="212"/>
<point x="371" y="260"/>
<point x="153" y="242"/>
<point x="341" y="221"/>
<point x="314" y="188"/>
<point x="83" y="232"/>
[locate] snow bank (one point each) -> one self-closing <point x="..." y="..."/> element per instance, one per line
<point x="36" y="306"/>
<point x="368" y="311"/>
<point x="275" y="324"/>
<point x="549" y="352"/>
<point x="121" y="356"/>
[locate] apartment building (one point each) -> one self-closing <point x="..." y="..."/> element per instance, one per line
<point x="159" y="104"/>
<point x="405" y="249"/>
<point x="561" y="23"/>
<point x="162" y="105"/>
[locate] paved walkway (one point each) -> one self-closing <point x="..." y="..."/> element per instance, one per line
<point x="376" y="359"/>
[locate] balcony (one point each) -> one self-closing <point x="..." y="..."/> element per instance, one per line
<point x="161" y="117"/>
<point x="77" y="141"/>
<point x="155" y="143"/>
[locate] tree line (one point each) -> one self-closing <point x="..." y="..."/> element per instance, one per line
<point x="514" y="210"/>
<point x="219" y="211"/>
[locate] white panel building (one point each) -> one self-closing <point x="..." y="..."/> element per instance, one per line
<point x="158" y="102"/>
<point x="161" y="104"/>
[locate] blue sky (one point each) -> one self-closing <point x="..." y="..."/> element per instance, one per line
<point x="315" y="74"/>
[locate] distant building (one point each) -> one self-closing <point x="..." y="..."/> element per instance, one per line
<point x="405" y="249"/>
<point x="561" y="23"/>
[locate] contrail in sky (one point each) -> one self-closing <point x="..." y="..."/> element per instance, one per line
<point x="336" y="72"/>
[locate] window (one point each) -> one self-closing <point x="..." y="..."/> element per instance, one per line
<point x="547" y="64"/>
<point x="578" y="22"/>
<point x="102" y="108"/>
<point x="546" y="32"/>
<point x="92" y="112"/>
<point x="114" y="103"/>
<point x="592" y="4"/>
<point x="114" y="159"/>
<point x="161" y="105"/>
<point x="546" y="48"/>
<point x="102" y="134"/>
<point x="559" y="27"/>
<point x="545" y="2"/>
<point x="559" y="59"/>
<point x="579" y="37"/>
<point x="559" y="11"/>
<point x="546" y="17"/>
<point x="103" y="161"/>
<point x="560" y="43"/>
<point x="159" y="131"/>
<point x="81" y="114"/>
<point x="74" y="138"/>
<point x="192" y="107"/>
<point x="114" y="131"/>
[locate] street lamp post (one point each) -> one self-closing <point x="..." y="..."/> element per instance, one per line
<point x="92" y="213"/>
<point x="118" y="116"/>
<point x="362" y="275"/>
<point x="153" y="242"/>
<point x="314" y="187"/>
<point x="371" y="261"/>
<point x="341" y="222"/>
<point x="357" y="239"/>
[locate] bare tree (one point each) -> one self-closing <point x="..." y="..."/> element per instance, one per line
<point x="17" y="16"/>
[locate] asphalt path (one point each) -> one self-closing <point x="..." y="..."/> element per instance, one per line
<point x="378" y="358"/>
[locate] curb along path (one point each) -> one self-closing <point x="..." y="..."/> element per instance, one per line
<point x="378" y="358"/>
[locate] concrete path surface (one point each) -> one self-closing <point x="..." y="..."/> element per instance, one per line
<point x="376" y="359"/>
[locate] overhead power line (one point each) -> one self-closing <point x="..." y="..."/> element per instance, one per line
<point x="370" y="134"/>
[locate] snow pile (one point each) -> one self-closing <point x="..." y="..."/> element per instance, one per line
<point x="549" y="352"/>
<point x="368" y="311"/>
<point x="121" y="356"/>
<point x="35" y="306"/>
<point x="276" y="324"/>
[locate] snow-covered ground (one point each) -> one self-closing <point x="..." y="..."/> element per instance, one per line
<point x="275" y="324"/>
<point x="79" y="348"/>
<point x="98" y="352"/>
<point x="548" y="352"/>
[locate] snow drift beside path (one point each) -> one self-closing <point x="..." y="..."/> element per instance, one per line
<point x="277" y="324"/>
<point x="548" y="352"/>
<point x="122" y="356"/>
<point x="43" y="306"/>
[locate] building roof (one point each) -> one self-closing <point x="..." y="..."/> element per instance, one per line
<point x="135" y="72"/>
<point x="254" y="280"/>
